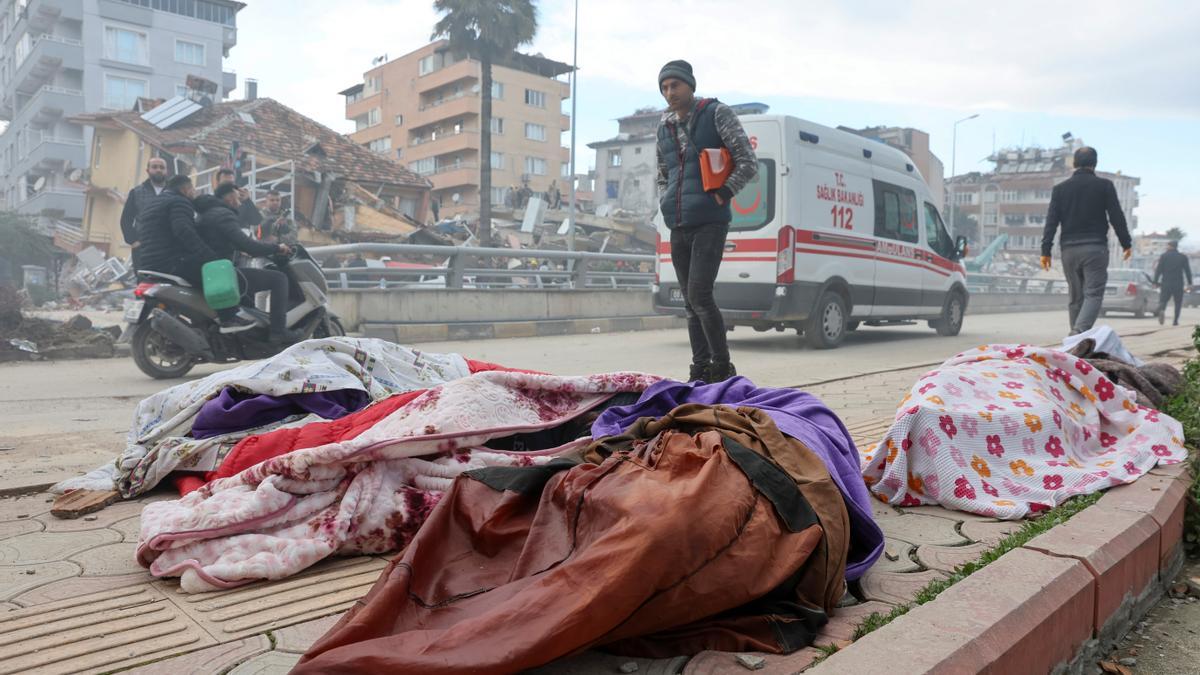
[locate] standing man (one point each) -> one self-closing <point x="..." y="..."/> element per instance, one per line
<point x="247" y="212"/>
<point x="1085" y="205"/>
<point x="699" y="219"/>
<point x="139" y="197"/>
<point x="1171" y="270"/>
<point x="277" y="226"/>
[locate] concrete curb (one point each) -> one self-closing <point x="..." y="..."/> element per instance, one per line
<point x="1067" y="595"/>
<point x="410" y="333"/>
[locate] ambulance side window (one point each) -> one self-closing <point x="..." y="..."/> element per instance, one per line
<point x="754" y="206"/>
<point x="935" y="232"/>
<point x="896" y="213"/>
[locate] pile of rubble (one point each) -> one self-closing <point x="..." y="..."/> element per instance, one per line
<point x="24" y="338"/>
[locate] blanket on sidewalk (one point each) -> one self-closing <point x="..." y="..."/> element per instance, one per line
<point x="797" y="414"/>
<point x="159" y="442"/>
<point x="1006" y="430"/>
<point x="368" y="494"/>
<point x="1153" y="382"/>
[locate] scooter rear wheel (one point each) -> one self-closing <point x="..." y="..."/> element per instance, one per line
<point x="157" y="356"/>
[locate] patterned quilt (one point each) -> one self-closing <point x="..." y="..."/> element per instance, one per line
<point x="1008" y="430"/>
<point x="369" y="494"/>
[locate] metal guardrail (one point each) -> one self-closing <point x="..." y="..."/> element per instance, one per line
<point x="994" y="283"/>
<point x="466" y="267"/>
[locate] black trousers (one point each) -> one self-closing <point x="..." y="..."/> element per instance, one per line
<point x="696" y="253"/>
<point x="1165" y="294"/>
<point x="275" y="282"/>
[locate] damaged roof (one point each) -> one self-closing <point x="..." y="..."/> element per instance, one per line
<point x="269" y="129"/>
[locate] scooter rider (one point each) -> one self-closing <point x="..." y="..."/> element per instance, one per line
<point x="221" y="230"/>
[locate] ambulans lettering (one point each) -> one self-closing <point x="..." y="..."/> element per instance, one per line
<point x="886" y="247"/>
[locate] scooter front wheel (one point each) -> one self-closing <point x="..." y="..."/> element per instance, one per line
<point x="157" y="356"/>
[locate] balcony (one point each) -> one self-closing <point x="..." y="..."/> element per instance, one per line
<point x="48" y="55"/>
<point x="457" y="106"/>
<point x="43" y="14"/>
<point x="50" y="154"/>
<point x="455" y="175"/>
<point x="228" y="83"/>
<point x="448" y="142"/>
<point x="564" y="123"/>
<point x="51" y="103"/>
<point x="65" y="204"/>
<point x="463" y="70"/>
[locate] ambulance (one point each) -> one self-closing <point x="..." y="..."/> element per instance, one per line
<point x="835" y="231"/>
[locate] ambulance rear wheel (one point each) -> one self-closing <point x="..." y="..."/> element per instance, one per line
<point x="826" y="328"/>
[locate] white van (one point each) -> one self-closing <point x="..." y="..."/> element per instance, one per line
<point x="835" y="231"/>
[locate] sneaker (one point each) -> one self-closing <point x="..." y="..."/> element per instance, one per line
<point x="698" y="372"/>
<point x="236" y="324"/>
<point x="720" y="371"/>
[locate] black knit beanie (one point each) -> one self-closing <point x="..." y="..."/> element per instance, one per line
<point x="681" y="70"/>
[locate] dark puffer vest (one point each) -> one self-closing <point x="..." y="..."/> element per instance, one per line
<point x="685" y="203"/>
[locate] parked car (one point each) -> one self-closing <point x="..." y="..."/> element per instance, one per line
<point x="1130" y="291"/>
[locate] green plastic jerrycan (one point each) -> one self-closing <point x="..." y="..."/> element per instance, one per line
<point x="220" y="284"/>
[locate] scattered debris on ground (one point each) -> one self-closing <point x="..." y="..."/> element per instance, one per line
<point x="25" y="338"/>
<point x="1167" y="640"/>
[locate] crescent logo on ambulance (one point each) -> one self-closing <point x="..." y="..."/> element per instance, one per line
<point x="835" y="231"/>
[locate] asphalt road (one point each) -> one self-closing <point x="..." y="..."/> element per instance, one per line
<point x="58" y="419"/>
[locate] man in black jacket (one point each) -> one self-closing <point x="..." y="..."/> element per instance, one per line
<point x="1084" y="204"/>
<point x="170" y="243"/>
<point x="221" y="230"/>
<point x="140" y="196"/>
<point x="1170" y="272"/>
<point x="247" y="212"/>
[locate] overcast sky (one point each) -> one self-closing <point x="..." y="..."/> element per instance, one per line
<point x="1125" y="77"/>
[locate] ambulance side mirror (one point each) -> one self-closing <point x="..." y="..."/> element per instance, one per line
<point x="960" y="248"/>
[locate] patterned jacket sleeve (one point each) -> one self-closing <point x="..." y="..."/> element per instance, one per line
<point x="661" y="177"/>
<point x="745" y="163"/>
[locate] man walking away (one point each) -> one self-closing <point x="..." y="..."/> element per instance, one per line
<point x="1084" y="205"/>
<point x="1171" y="270"/>
<point x="139" y="197"/>
<point x="699" y="219"/>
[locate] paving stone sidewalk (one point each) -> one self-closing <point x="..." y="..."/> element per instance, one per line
<point x="73" y="599"/>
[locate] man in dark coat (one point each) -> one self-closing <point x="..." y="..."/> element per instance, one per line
<point x="220" y="228"/>
<point x="1084" y="205"/>
<point x="139" y="197"/>
<point x="1169" y="275"/>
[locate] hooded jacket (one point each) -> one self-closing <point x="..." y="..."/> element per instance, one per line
<point x="221" y="229"/>
<point x="166" y="226"/>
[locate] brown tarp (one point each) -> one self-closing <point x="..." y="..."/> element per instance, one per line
<point x="706" y="529"/>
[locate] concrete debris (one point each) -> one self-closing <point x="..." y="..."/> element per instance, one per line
<point x="751" y="662"/>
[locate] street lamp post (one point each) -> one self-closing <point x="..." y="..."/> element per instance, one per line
<point x="954" y="168"/>
<point x="574" y="125"/>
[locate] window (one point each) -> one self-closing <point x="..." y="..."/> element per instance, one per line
<point x="354" y="98"/>
<point x="497" y="90"/>
<point x="97" y="150"/>
<point x="497" y="160"/>
<point x="127" y="46"/>
<point x="535" y="166"/>
<point x="535" y="132"/>
<point x="754" y="206"/>
<point x="181" y="90"/>
<point x="399" y="120"/>
<point x="1014" y="219"/>
<point x="497" y="125"/>
<point x="424" y="166"/>
<point x="935" y="233"/>
<point x="374" y="117"/>
<point x="1008" y="196"/>
<point x="371" y="85"/>
<point x="189" y="52"/>
<point x="637" y="150"/>
<point x="989" y="219"/>
<point x="535" y="98"/>
<point x="612" y="189"/>
<point x="399" y="153"/>
<point x="896" y="213"/>
<point x="428" y="64"/>
<point x="120" y="93"/>
<point x="381" y="144"/>
<point x="614" y="158"/>
<point x="498" y="195"/>
<point x="1042" y="194"/>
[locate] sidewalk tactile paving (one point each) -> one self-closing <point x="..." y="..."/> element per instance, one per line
<point x="75" y="586"/>
<point x="329" y="588"/>
<point x="947" y="558"/>
<point x="44" y="547"/>
<point x="108" y="560"/>
<point x="270" y="663"/>
<point x="896" y="557"/>
<point x="15" y="580"/>
<point x="298" y="638"/>
<point x="916" y="529"/>
<point x="214" y="659"/>
<point x="28" y="506"/>
<point x="100" y="631"/>
<point x="992" y="532"/>
<point x="106" y="517"/>
<point x="15" y="528"/>
<point x="896" y="588"/>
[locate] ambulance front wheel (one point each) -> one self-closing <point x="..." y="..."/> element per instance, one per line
<point x="826" y="328"/>
<point x="951" y="321"/>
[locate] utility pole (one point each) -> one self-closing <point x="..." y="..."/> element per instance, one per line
<point x="954" y="172"/>
<point x="574" y="125"/>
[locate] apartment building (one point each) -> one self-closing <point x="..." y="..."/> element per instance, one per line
<point x="61" y="58"/>
<point x="915" y="144"/>
<point x="423" y="109"/>
<point x="1013" y="198"/>
<point x="626" y="164"/>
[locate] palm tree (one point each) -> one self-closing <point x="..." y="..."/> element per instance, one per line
<point x="488" y="30"/>
<point x="1175" y="234"/>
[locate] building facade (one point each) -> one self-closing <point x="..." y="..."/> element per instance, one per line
<point x="423" y="109"/>
<point x="61" y="58"/>
<point x="626" y="164"/>
<point x="915" y="144"/>
<point x="1013" y="198"/>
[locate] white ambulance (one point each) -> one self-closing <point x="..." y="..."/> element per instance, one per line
<point x="836" y="230"/>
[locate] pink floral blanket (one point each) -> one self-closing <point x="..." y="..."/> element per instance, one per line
<point x="1006" y="430"/>
<point x="366" y="495"/>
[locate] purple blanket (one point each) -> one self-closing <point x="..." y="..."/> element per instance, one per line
<point x="797" y="414"/>
<point x="234" y="410"/>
